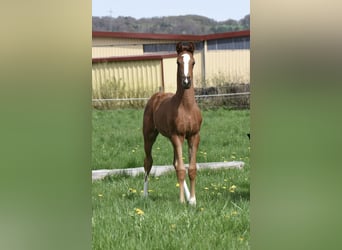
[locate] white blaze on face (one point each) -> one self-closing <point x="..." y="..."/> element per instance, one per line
<point x="186" y="60"/>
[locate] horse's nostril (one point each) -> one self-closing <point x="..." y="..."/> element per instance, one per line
<point x="187" y="79"/>
<point x="186" y="82"/>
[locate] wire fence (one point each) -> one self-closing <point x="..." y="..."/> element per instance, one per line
<point x="239" y="100"/>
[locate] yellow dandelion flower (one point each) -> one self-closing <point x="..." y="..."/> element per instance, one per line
<point x="232" y="189"/>
<point x="100" y="195"/>
<point x="139" y="211"/>
<point x="206" y="188"/>
<point x="177" y="184"/>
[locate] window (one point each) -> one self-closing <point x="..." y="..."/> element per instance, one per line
<point x="229" y="43"/>
<point x="166" y="47"/>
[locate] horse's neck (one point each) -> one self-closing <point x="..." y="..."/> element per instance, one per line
<point x="185" y="97"/>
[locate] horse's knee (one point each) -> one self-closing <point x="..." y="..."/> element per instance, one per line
<point x="181" y="174"/>
<point x="192" y="173"/>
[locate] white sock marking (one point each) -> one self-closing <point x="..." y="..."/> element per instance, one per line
<point x="146" y="187"/>
<point x="186" y="191"/>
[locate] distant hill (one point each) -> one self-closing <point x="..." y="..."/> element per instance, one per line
<point x="188" y="24"/>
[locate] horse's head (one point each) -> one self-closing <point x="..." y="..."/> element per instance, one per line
<point x="186" y="62"/>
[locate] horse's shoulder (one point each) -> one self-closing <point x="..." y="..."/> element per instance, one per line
<point x="160" y="97"/>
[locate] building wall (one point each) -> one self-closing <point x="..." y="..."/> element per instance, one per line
<point x="128" y="79"/>
<point x="128" y="50"/>
<point x="109" y="47"/>
<point x="170" y="77"/>
<point x="222" y="66"/>
<point x="214" y="65"/>
<point x="227" y="66"/>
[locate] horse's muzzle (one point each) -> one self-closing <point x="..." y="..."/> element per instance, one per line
<point x="186" y="82"/>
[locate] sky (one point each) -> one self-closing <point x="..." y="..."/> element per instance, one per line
<point x="219" y="10"/>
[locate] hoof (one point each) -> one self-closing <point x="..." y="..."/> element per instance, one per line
<point x="192" y="201"/>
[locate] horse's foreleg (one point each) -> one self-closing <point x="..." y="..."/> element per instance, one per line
<point x="193" y="143"/>
<point x="177" y="142"/>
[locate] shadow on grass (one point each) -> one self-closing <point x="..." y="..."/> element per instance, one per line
<point x="242" y="195"/>
<point x="119" y="177"/>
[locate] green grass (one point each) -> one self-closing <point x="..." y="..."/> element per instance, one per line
<point x="118" y="140"/>
<point x="219" y="221"/>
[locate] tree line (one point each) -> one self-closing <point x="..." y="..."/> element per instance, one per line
<point x="187" y="24"/>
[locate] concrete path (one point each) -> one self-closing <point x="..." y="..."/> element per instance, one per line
<point x="159" y="170"/>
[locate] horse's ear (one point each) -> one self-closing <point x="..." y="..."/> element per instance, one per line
<point x="179" y="47"/>
<point x="191" y="47"/>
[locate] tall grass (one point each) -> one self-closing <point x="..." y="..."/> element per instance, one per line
<point x="118" y="89"/>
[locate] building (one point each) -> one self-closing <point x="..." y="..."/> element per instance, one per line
<point x="139" y="64"/>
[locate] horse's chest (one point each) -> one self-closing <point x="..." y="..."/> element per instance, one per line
<point x="186" y="124"/>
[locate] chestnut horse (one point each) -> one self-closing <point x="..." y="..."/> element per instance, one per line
<point x="177" y="117"/>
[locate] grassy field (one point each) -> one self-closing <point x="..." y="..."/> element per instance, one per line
<point x="118" y="141"/>
<point x="123" y="219"/>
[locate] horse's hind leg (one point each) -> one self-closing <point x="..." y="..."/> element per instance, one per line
<point x="150" y="135"/>
<point x="148" y="143"/>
